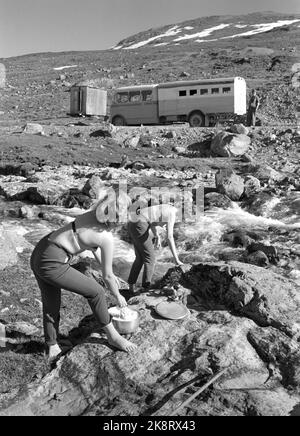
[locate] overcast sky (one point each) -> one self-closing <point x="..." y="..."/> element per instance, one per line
<point x="30" y="26"/>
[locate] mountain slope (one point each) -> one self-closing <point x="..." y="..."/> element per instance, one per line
<point x="38" y="84"/>
<point x="212" y="29"/>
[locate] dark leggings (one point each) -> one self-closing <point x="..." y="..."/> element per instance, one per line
<point x="50" y="264"/>
<point x="144" y="252"/>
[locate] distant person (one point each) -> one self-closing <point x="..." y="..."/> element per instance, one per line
<point x="252" y="108"/>
<point x="50" y="262"/>
<point x="142" y="228"/>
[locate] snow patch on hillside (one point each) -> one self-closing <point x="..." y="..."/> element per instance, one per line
<point x="171" y="32"/>
<point x="253" y="29"/>
<point x="64" y="68"/>
<point x="202" y="34"/>
<point x="262" y="28"/>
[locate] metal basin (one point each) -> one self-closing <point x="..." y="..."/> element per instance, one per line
<point x="124" y="326"/>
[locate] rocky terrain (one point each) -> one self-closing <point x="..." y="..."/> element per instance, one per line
<point x="241" y="278"/>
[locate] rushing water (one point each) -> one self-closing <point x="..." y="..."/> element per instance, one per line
<point x="279" y="225"/>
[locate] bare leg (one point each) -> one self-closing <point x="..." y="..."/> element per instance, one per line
<point x="116" y="340"/>
<point x="54" y="351"/>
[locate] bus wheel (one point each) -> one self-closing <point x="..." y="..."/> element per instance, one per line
<point x="196" y="119"/>
<point x="119" y="121"/>
<point x="162" y="120"/>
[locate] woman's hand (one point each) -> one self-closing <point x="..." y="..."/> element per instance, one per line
<point x="121" y="301"/>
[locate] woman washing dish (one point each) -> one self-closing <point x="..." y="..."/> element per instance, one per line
<point x="143" y="229"/>
<point x="50" y="262"/>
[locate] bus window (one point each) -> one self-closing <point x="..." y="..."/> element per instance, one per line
<point x="226" y="90"/>
<point x="182" y="93"/>
<point x="193" y="91"/>
<point x="215" y="90"/>
<point x="134" y="96"/>
<point x="122" y="97"/>
<point x="203" y="91"/>
<point x="147" y="95"/>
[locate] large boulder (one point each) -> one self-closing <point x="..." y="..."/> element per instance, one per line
<point x="265" y="173"/>
<point x="261" y="295"/>
<point x="229" y="184"/>
<point x="227" y="144"/>
<point x="215" y="199"/>
<point x="252" y="186"/>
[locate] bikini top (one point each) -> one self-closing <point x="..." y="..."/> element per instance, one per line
<point x="76" y="237"/>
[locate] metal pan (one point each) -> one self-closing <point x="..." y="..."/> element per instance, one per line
<point x="171" y="310"/>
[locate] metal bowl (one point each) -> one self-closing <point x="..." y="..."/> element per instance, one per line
<point x="126" y="327"/>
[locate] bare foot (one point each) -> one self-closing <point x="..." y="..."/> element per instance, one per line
<point x="54" y="351"/>
<point x="122" y="344"/>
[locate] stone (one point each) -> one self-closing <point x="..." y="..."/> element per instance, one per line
<point x="279" y="350"/>
<point x="179" y="150"/>
<point x="227" y="144"/>
<point x="93" y="187"/>
<point x="269" y="250"/>
<point x="215" y="199"/>
<point x="239" y="129"/>
<point x="170" y="134"/>
<point x="132" y="142"/>
<point x="263" y="296"/>
<point x="229" y="184"/>
<point x="258" y="258"/>
<point x="21" y="328"/>
<point x="29" y="212"/>
<point x="33" y="129"/>
<point x="147" y="141"/>
<point x="265" y="173"/>
<point x="252" y="186"/>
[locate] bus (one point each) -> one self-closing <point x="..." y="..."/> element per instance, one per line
<point x="198" y="102"/>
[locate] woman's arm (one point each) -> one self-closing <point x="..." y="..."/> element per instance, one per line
<point x="104" y="256"/>
<point x="170" y="237"/>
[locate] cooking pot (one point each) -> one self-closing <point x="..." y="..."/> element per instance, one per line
<point x="125" y="326"/>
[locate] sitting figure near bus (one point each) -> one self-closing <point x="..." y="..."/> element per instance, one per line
<point x="143" y="229"/>
<point x="252" y="108"/>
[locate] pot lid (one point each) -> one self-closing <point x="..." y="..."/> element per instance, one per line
<point x="172" y="310"/>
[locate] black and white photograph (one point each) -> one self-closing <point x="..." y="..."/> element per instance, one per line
<point x="149" y="211"/>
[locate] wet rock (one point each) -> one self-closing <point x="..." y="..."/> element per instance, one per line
<point x="215" y="199"/>
<point x="269" y="250"/>
<point x="229" y="184"/>
<point x="258" y="258"/>
<point x="29" y="212"/>
<point x="258" y="204"/>
<point x="266" y="173"/>
<point x="239" y="129"/>
<point x="263" y="296"/>
<point x="252" y="186"/>
<point x="33" y="129"/>
<point x="238" y="239"/>
<point x="227" y="144"/>
<point x="279" y="350"/>
<point x="93" y="187"/>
